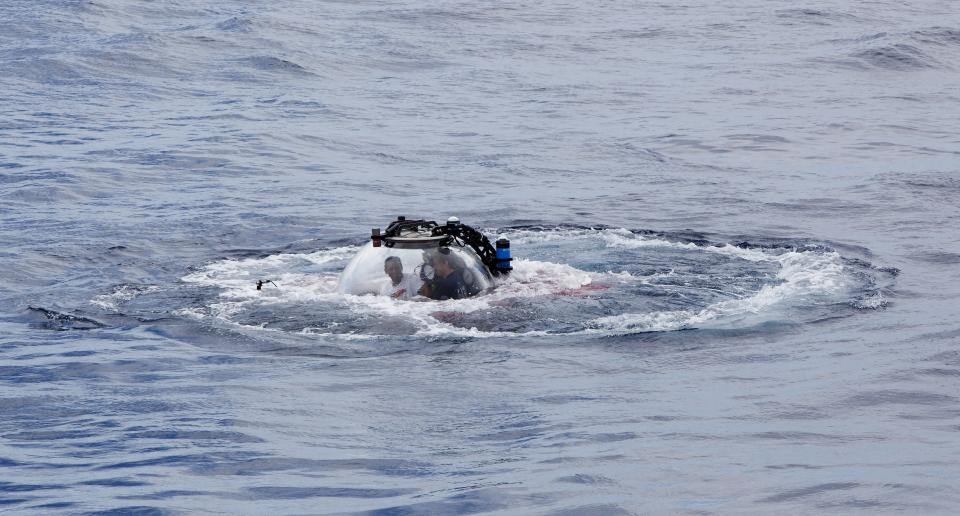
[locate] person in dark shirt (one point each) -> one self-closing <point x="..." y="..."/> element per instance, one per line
<point x="451" y="280"/>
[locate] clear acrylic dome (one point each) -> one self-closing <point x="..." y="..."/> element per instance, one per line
<point x="366" y="273"/>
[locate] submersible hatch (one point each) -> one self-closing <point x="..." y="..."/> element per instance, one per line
<point x="420" y="258"/>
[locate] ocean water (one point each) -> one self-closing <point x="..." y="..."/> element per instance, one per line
<point x="735" y="224"/>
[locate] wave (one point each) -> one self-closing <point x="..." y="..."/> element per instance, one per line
<point x="921" y="49"/>
<point x="802" y="275"/>
<point x="810" y="16"/>
<point x="898" y="56"/>
<point x="235" y="24"/>
<point x="273" y="64"/>
<point x="48" y="319"/>
<point x="938" y="36"/>
<point x="46" y="70"/>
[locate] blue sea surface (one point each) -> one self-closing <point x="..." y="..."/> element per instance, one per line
<point x="735" y="228"/>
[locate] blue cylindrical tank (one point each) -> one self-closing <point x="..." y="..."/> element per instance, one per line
<point x="503" y="256"/>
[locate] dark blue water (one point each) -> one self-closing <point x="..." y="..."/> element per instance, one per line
<point x="736" y="289"/>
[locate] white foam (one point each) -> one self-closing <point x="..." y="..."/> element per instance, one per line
<point x="874" y="301"/>
<point x="236" y="279"/>
<point x="803" y="276"/>
<point x="121" y="294"/>
<point x="190" y="313"/>
<point x="623" y="238"/>
<point x="231" y="269"/>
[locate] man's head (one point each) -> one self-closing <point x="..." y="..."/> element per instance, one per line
<point x="393" y="267"/>
<point x="444" y="262"/>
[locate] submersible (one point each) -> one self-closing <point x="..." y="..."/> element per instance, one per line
<point x="421" y="258"/>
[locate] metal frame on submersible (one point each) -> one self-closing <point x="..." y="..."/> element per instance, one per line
<point x="497" y="260"/>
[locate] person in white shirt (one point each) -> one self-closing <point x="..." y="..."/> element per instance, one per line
<point x="400" y="286"/>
